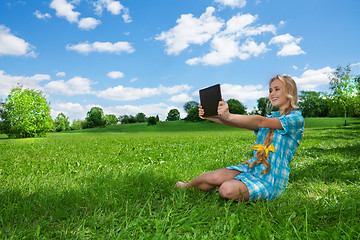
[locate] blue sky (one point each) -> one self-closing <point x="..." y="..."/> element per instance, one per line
<point x="132" y="56"/>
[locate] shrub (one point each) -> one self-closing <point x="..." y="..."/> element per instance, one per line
<point x="61" y="123"/>
<point x="151" y="121"/>
<point x="76" y="125"/>
<point x="95" y="118"/>
<point x="110" y="119"/>
<point x="25" y="113"/>
<point x="173" y="115"/>
<point x="193" y="115"/>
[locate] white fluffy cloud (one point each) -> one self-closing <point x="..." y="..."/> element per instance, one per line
<point x="238" y="23"/>
<point x="7" y="82"/>
<point x="74" y="86"/>
<point x="234" y="41"/>
<point x="88" y="23"/>
<point x="243" y="93"/>
<point x="314" y="79"/>
<point x="65" y="10"/>
<point x="14" y="46"/>
<point x="251" y="48"/>
<point x="115" y="74"/>
<point x="181" y="98"/>
<point x="288" y="44"/>
<point x="225" y="49"/>
<point x="232" y="3"/>
<point x="71" y="110"/>
<point x="114" y="7"/>
<point x="355" y="68"/>
<point x="190" y="30"/>
<point x="226" y="45"/>
<point x="42" y="16"/>
<point x="61" y="74"/>
<point x="121" y="93"/>
<point x="102" y="47"/>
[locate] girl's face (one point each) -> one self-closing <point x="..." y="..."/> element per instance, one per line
<point x="277" y="95"/>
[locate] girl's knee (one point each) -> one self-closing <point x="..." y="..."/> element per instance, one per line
<point x="233" y="189"/>
<point x="227" y="190"/>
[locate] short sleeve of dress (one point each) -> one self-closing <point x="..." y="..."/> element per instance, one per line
<point x="291" y="123"/>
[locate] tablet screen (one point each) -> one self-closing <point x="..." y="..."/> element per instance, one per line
<point x="209" y="100"/>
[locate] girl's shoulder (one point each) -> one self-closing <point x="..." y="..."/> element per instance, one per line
<point x="296" y="114"/>
<point x="293" y="120"/>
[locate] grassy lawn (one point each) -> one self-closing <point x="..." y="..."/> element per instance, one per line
<point x="117" y="183"/>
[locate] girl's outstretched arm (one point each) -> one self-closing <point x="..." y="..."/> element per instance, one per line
<point x="252" y="122"/>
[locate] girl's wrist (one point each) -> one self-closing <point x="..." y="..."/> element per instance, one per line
<point x="225" y="116"/>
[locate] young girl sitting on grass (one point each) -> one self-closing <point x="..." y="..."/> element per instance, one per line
<point x="266" y="174"/>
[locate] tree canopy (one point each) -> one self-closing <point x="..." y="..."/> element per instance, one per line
<point x="313" y="104"/>
<point x="189" y="105"/>
<point x="236" y="107"/>
<point x="61" y="123"/>
<point x="95" y="118"/>
<point x="140" y="117"/>
<point x="151" y="120"/>
<point x="25" y="113"/>
<point x="173" y="115"/>
<point x="265" y="107"/>
<point x="110" y="119"/>
<point x="343" y="86"/>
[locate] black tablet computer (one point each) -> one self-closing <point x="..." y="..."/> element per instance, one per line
<point x="209" y="100"/>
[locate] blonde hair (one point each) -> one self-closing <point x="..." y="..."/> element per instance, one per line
<point x="291" y="93"/>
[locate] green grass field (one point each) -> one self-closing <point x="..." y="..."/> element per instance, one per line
<point x="117" y="183"/>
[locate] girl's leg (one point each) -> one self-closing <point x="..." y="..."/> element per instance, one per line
<point x="234" y="189"/>
<point x="210" y="180"/>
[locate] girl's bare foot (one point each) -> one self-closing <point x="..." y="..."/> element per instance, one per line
<point x="180" y="185"/>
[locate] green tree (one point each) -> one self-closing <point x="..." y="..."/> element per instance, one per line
<point x="132" y="119"/>
<point x="342" y="85"/>
<point x="76" y="125"/>
<point x="110" y="119"/>
<point x="25" y="113"/>
<point x="236" y="107"/>
<point x="151" y="121"/>
<point x="357" y="98"/>
<point x="265" y="107"/>
<point x="173" y="115"/>
<point x="61" y="123"/>
<point x="193" y="115"/>
<point x="189" y="105"/>
<point x="140" y="117"/>
<point x="95" y="118"/>
<point x="313" y="104"/>
<point x="124" y="119"/>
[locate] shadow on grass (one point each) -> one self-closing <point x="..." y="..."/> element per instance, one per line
<point x="326" y="134"/>
<point x="94" y="206"/>
<point x="330" y="164"/>
<point x="143" y="204"/>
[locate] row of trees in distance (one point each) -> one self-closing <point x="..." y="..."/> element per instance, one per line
<point x="26" y="113"/>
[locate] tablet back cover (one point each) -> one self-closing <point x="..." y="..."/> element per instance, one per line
<point x="209" y="100"/>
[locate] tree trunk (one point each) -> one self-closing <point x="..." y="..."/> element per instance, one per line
<point x="345" y="120"/>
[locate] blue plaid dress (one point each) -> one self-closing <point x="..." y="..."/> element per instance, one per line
<point x="286" y="141"/>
